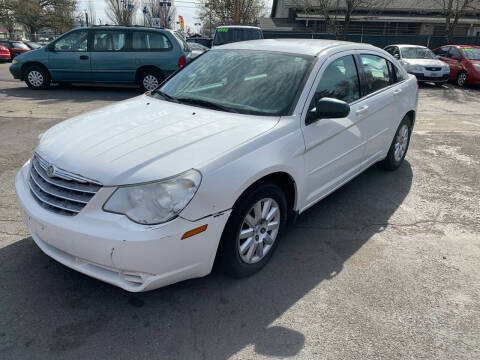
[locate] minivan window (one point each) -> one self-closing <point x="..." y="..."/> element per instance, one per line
<point x="182" y="41"/>
<point x="243" y="81"/>
<point x="376" y="72"/>
<point x="75" y="41"/>
<point x="105" y="40"/>
<point x="228" y="35"/>
<point x="340" y="81"/>
<point x="143" y="40"/>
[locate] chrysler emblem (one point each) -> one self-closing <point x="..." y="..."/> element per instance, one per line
<point x="50" y="170"/>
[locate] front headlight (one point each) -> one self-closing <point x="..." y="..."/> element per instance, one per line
<point x="477" y="67"/>
<point x="14" y="61"/>
<point x="415" y="68"/>
<point x="156" y="202"/>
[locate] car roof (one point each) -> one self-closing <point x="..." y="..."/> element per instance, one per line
<point x="296" y="46"/>
<point x="408" y="45"/>
<point x="239" y="26"/>
<point x="120" y="27"/>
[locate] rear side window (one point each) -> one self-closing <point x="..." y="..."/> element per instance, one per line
<point x="376" y="73"/>
<point x="395" y="74"/>
<point x="109" y="40"/>
<point x="183" y="44"/>
<point x="340" y="81"/>
<point x="143" y="40"/>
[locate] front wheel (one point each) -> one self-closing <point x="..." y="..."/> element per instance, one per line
<point x="398" y="148"/>
<point x="462" y="78"/>
<point x="37" y="78"/>
<point x="252" y="231"/>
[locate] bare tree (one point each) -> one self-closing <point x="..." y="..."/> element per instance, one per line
<point x="220" y="12"/>
<point x="92" y="15"/>
<point x="338" y="13"/>
<point x="121" y="12"/>
<point x="453" y="11"/>
<point x="167" y="14"/>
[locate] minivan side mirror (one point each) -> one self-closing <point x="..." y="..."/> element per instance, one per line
<point x="328" y="108"/>
<point x="51" y="47"/>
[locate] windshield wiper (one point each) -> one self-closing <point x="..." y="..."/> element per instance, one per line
<point x="166" y="96"/>
<point x="206" y="103"/>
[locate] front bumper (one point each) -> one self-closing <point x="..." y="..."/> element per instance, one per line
<point x="111" y="248"/>
<point x="16" y="71"/>
<point x="422" y="77"/>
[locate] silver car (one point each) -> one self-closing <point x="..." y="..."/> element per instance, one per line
<point x="421" y="62"/>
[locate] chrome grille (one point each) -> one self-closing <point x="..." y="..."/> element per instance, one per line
<point x="433" y="68"/>
<point x="59" y="191"/>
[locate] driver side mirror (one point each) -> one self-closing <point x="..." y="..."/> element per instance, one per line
<point x="328" y="108"/>
<point x="51" y="47"/>
<point x="455" y="57"/>
<point x="396" y="56"/>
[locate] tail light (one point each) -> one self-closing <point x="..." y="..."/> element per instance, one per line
<point x="182" y="61"/>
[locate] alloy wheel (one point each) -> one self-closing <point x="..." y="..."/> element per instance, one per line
<point x="401" y="143"/>
<point x="259" y="230"/>
<point x="35" y="78"/>
<point x="150" y="82"/>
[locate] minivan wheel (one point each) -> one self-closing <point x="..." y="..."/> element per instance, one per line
<point x="398" y="148"/>
<point x="37" y="78"/>
<point x="150" y="79"/>
<point x="462" y="78"/>
<point x="252" y="231"/>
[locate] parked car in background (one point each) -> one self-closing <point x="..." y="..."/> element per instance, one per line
<point x="197" y="49"/>
<point x="207" y="42"/>
<point x="107" y="54"/>
<point x="4" y="54"/>
<point x="15" y="47"/>
<point x="464" y="62"/>
<point x="421" y="62"/>
<point x="33" y="45"/>
<point x="209" y="167"/>
<point x="234" y="33"/>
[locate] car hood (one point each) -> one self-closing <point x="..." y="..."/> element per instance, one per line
<point x="425" y="62"/>
<point x="145" y="139"/>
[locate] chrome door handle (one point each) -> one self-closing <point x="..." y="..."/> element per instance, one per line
<point x="362" y="110"/>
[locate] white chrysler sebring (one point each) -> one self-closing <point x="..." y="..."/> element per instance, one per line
<point x="209" y="167"/>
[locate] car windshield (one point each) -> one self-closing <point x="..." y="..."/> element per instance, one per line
<point x="243" y="81"/>
<point x="416" y="53"/>
<point x="34" y="45"/>
<point x="228" y="35"/>
<point x="20" y="45"/>
<point x="472" y="53"/>
<point x="195" y="46"/>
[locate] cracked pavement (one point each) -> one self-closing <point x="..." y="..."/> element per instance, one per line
<point x="384" y="268"/>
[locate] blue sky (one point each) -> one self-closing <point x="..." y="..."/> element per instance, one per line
<point x="186" y="8"/>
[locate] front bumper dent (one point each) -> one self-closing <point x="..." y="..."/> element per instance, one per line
<point x="111" y="248"/>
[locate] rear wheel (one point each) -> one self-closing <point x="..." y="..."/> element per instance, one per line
<point x="462" y="78"/>
<point x="398" y="148"/>
<point x="149" y="79"/>
<point x="252" y="231"/>
<point x="37" y="78"/>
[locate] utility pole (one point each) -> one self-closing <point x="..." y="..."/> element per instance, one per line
<point x="86" y="18"/>
<point x="235" y="12"/>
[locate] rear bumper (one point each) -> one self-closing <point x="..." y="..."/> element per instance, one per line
<point x="421" y="77"/>
<point x="111" y="248"/>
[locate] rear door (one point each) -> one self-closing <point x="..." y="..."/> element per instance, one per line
<point x="380" y="113"/>
<point x="70" y="59"/>
<point x="110" y="59"/>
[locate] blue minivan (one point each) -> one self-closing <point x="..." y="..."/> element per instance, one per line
<point x="106" y="54"/>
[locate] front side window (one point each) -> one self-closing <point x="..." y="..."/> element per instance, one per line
<point x="376" y="72"/>
<point x="143" y="40"/>
<point x="454" y="52"/>
<point x="442" y="52"/>
<point x="75" y="41"/>
<point x="109" y="40"/>
<point x="243" y="81"/>
<point x="339" y="81"/>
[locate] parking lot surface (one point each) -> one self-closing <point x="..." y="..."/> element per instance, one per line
<point x="387" y="267"/>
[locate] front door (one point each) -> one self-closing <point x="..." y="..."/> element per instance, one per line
<point x="334" y="147"/>
<point x="70" y="59"/>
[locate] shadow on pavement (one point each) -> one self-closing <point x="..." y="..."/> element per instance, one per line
<point x="52" y="310"/>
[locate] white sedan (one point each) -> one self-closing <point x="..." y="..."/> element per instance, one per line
<point x="209" y="167"/>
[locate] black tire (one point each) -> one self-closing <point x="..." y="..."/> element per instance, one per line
<point x="146" y="77"/>
<point x="440" y="84"/>
<point x="229" y="260"/>
<point x="462" y="78"/>
<point x="37" y="77"/>
<point x="390" y="162"/>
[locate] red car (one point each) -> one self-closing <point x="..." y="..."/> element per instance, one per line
<point x="4" y="54"/>
<point x="15" y="47"/>
<point x="464" y="62"/>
